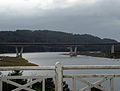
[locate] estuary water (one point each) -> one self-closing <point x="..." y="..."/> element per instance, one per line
<point x="50" y="58"/>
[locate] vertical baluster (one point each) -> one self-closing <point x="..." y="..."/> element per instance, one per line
<point x="55" y="84"/>
<point x="31" y="84"/>
<point x="74" y="83"/>
<point x="0" y="83"/>
<point x="111" y="84"/>
<point x="43" y="85"/>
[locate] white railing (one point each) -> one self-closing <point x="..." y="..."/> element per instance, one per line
<point x="32" y="79"/>
<point x="58" y="69"/>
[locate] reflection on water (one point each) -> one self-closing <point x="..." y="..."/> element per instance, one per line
<point x="50" y="58"/>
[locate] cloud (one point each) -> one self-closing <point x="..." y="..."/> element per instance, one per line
<point x="98" y="17"/>
<point x="32" y="7"/>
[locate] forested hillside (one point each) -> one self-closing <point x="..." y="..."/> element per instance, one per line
<point x="46" y="36"/>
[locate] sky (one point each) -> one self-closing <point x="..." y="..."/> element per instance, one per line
<point x="96" y="17"/>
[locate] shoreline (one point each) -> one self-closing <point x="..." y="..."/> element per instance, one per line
<point x="102" y="55"/>
<point x="14" y="61"/>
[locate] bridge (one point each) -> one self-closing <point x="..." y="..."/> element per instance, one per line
<point x="59" y="76"/>
<point x="55" y="44"/>
<point x="72" y="52"/>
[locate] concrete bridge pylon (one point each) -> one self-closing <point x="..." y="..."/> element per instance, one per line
<point x="73" y="52"/>
<point x="113" y="49"/>
<point x="19" y="53"/>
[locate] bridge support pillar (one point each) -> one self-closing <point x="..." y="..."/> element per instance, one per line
<point x="113" y="49"/>
<point x="19" y="54"/>
<point x="71" y="50"/>
<point x="75" y="50"/>
<point x="73" y="53"/>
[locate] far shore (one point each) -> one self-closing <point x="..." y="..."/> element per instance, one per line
<point x="99" y="54"/>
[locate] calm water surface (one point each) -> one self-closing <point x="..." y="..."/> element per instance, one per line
<point x="50" y="58"/>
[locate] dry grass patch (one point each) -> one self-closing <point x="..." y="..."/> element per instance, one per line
<point x="14" y="61"/>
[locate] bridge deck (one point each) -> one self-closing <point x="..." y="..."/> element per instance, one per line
<point x="55" y="44"/>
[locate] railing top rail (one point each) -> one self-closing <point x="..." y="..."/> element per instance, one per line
<point x="27" y="68"/>
<point x="65" y="67"/>
<point x="27" y="77"/>
<point x="78" y="67"/>
<point x="90" y="75"/>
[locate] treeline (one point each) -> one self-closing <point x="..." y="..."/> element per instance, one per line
<point x="46" y="36"/>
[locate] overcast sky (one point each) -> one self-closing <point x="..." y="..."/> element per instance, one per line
<point x="97" y="17"/>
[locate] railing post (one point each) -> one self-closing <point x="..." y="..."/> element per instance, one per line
<point x="59" y="77"/>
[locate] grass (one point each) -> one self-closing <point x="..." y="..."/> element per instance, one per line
<point x="105" y="55"/>
<point x="14" y="61"/>
<point x="101" y="54"/>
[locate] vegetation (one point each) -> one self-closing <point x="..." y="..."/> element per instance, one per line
<point x="14" y="61"/>
<point x="46" y="36"/>
<point x="101" y="54"/>
<point x="95" y="89"/>
<point x="49" y="83"/>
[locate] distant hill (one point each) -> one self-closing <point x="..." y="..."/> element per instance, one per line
<point x="46" y="36"/>
<point x="49" y="36"/>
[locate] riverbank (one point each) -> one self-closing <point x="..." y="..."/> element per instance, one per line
<point x="14" y="61"/>
<point x="101" y="54"/>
